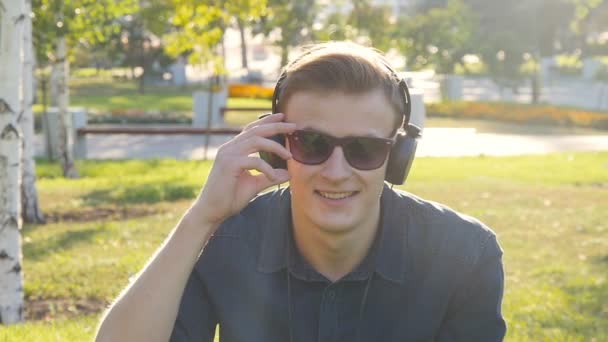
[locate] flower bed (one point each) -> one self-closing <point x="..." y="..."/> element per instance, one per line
<point x="249" y="90"/>
<point x="519" y="113"/>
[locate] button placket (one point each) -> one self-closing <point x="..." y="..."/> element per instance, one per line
<point x="331" y="294"/>
<point x="328" y="318"/>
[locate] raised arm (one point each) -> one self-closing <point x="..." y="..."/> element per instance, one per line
<point x="146" y="310"/>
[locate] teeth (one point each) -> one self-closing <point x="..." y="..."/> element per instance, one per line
<point x="336" y="195"/>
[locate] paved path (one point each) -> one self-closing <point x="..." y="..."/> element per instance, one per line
<point x="436" y="142"/>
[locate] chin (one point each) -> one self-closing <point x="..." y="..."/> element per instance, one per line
<point x="335" y="222"/>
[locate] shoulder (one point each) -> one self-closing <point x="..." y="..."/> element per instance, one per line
<point x="438" y="231"/>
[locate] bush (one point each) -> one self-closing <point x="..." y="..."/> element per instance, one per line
<point x="519" y="113"/>
<point x="569" y="65"/>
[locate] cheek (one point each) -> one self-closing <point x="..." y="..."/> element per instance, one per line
<point x="298" y="173"/>
<point x="374" y="183"/>
<point x="375" y="177"/>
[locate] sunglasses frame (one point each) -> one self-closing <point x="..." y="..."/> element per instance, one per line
<point x="342" y="142"/>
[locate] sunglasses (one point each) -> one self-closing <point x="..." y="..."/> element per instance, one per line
<point x="362" y="153"/>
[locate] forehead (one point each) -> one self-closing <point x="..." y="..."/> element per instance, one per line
<point x="342" y="114"/>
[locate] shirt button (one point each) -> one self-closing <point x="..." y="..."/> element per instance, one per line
<point x="331" y="294"/>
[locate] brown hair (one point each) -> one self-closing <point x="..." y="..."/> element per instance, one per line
<point x="341" y="66"/>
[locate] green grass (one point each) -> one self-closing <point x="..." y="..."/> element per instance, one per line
<point x="550" y="213"/>
<point x="104" y="95"/>
<point x="78" y="329"/>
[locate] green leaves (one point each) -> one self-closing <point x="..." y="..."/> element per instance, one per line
<point x="198" y="27"/>
<point x="82" y="21"/>
<point x="439" y="37"/>
<point x="293" y="18"/>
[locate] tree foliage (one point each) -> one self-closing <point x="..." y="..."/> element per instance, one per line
<point x="439" y="37"/>
<point x="373" y="22"/>
<point x="83" y="22"/>
<point x="198" y="27"/>
<point x="365" y="23"/>
<point x="292" y="19"/>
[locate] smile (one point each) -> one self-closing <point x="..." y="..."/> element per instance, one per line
<point x="336" y="195"/>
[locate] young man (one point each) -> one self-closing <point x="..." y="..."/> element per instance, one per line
<point x="336" y="256"/>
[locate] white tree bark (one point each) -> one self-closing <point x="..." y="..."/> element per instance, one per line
<point x="30" y="209"/>
<point x="53" y="87"/>
<point x="12" y="17"/>
<point x="66" y="131"/>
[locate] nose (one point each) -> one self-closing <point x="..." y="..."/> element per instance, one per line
<point x="336" y="168"/>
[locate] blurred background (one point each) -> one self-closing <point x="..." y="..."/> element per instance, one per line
<point x="539" y="52"/>
<point x="131" y="99"/>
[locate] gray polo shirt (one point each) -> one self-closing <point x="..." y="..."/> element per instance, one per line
<point x="431" y="275"/>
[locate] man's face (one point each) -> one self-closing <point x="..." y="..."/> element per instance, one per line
<point x="334" y="196"/>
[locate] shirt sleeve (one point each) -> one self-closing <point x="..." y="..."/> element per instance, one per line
<point x="196" y="319"/>
<point x="475" y="310"/>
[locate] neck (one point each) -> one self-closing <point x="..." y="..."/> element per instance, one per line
<point x="334" y="253"/>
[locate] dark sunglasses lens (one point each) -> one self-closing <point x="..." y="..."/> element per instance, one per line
<point x="310" y="147"/>
<point x="366" y="153"/>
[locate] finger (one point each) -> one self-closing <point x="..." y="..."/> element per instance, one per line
<point x="255" y="163"/>
<point x="270" y="129"/>
<point x="257" y="144"/>
<point x="276" y="117"/>
<point x="258" y="135"/>
<point x="262" y="182"/>
<point x="266" y="130"/>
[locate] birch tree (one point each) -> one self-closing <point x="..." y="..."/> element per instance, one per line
<point x="66" y="136"/>
<point x="12" y="20"/>
<point x="30" y="209"/>
<point x="59" y="25"/>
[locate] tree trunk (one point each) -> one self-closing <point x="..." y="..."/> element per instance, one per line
<point x="142" y="59"/>
<point x="66" y="131"/>
<point x="53" y="85"/>
<point x="30" y="209"/>
<point x="12" y="19"/>
<point x="240" y="23"/>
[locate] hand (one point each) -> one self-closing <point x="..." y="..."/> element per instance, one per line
<point x="231" y="185"/>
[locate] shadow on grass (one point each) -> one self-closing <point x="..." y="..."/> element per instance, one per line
<point x="590" y="300"/>
<point x="146" y="193"/>
<point x="603" y="259"/>
<point x="61" y="308"/>
<point x="40" y="249"/>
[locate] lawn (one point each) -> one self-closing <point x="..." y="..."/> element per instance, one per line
<point x="550" y="213"/>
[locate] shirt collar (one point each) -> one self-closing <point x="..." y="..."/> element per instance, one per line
<point x="390" y="248"/>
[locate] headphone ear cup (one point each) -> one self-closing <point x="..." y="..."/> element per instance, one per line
<point x="400" y="159"/>
<point x="272" y="159"/>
